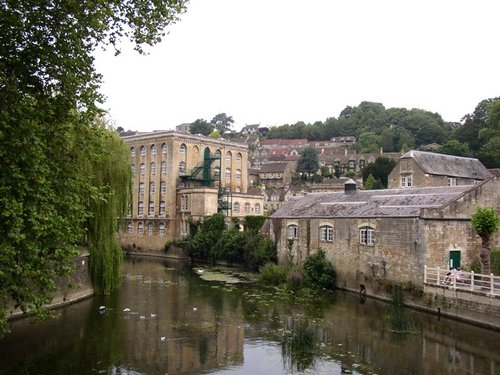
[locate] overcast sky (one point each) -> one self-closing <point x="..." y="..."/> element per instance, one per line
<point x="281" y="61"/>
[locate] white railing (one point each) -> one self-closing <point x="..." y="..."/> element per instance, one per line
<point x="466" y="281"/>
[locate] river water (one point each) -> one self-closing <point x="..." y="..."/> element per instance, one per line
<point x="166" y="320"/>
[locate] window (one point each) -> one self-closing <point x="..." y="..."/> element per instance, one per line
<point x="217" y="172"/>
<point x="182" y="149"/>
<point x="238" y="157"/>
<point x="164" y="149"/>
<point x="406" y="181"/>
<point x="228" y="156"/>
<point x="185" y="203"/>
<point x="218" y="154"/>
<point x="161" y="229"/>
<point x="142" y="169"/>
<point x="452" y="181"/>
<point x="132" y="153"/>
<point x="238" y="174"/>
<point x="130" y="228"/>
<point x="236" y="207"/>
<point x="151" y="208"/>
<point x="163" y="208"/>
<point x="163" y="187"/>
<point x="143" y="151"/>
<point x="132" y="167"/>
<point x="163" y="167"/>
<point x="140" y="209"/>
<point x="151" y="188"/>
<point x="150" y="229"/>
<point x="228" y="173"/>
<point x="140" y="229"/>
<point x="326" y="233"/>
<point x="152" y="169"/>
<point x="257" y="208"/>
<point x="182" y="168"/>
<point x="184" y="227"/>
<point x="238" y="189"/>
<point x="153" y="150"/>
<point x="141" y="188"/>
<point x="247" y="208"/>
<point x="293" y="232"/>
<point x="366" y="236"/>
<point x="361" y="164"/>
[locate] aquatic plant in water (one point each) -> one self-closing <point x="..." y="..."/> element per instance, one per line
<point x="299" y="346"/>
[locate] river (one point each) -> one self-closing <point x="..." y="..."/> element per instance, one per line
<point x="165" y="319"/>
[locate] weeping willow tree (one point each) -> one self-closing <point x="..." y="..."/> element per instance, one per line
<point x="108" y="204"/>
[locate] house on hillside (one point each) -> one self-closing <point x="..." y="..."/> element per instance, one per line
<point x="384" y="235"/>
<point x="420" y="168"/>
<point x="250" y="129"/>
<point x="275" y="174"/>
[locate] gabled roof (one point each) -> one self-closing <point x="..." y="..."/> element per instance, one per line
<point x="372" y="203"/>
<point x="273" y="168"/>
<point x="283" y="142"/>
<point x="449" y="165"/>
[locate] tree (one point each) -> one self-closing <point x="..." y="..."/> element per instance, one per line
<point x="62" y="176"/>
<point x="201" y="126"/>
<point x="308" y="162"/>
<point x="485" y="222"/>
<point x="222" y="122"/>
<point x="454" y="147"/>
<point x="380" y="169"/>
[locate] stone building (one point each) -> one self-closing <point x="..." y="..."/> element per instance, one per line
<point x="275" y="174"/>
<point x="419" y="168"/>
<point x="180" y="177"/>
<point x="390" y="234"/>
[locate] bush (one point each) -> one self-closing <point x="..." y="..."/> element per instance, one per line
<point x="273" y="275"/>
<point x="495" y="261"/>
<point x="294" y="280"/>
<point x="319" y="271"/>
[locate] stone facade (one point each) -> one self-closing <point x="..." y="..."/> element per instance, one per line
<point x="384" y="235"/>
<point x="178" y="177"/>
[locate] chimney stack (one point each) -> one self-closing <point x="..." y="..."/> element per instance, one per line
<point x="350" y="186"/>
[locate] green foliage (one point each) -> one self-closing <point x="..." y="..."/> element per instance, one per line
<point x="495" y="261"/>
<point x="272" y="274"/>
<point x="294" y="280"/>
<point x="201" y="126"/>
<point x="222" y="123"/>
<point x="60" y="169"/>
<point x="380" y="170"/>
<point x="372" y="184"/>
<point x="319" y="271"/>
<point x="299" y="346"/>
<point x="254" y="223"/>
<point x="215" y="134"/>
<point x="485" y="221"/>
<point x="308" y="162"/>
<point x="454" y="147"/>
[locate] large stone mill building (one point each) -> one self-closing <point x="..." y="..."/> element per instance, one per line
<point x="180" y="177"/>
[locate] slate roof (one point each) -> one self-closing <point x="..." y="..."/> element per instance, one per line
<point x="273" y="168"/>
<point x="372" y="203"/>
<point x="449" y="165"/>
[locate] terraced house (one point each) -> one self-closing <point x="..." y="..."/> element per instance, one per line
<point x="179" y="177"/>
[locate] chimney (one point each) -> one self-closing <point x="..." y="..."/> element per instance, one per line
<point x="350" y="186"/>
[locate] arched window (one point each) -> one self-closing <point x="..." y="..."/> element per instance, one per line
<point x="164" y="149"/>
<point x="293" y="232"/>
<point x="326" y="233"/>
<point x="217" y="172"/>
<point x="132" y="153"/>
<point x="132" y="168"/>
<point x="163" y="187"/>
<point x="185" y="203"/>
<point x="228" y="156"/>
<point x="140" y="209"/>
<point x="151" y="209"/>
<point x="257" y="208"/>
<point x="143" y="151"/>
<point x="152" y="169"/>
<point x="247" y="208"/>
<point x="153" y="150"/>
<point x="238" y="157"/>
<point x="141" y="188"/>
<point x="151" y="188"/>
<point x="163" y="208"/>
<point x="238" y="174"/>
<point x="130" y="228"/>
<point x="140" y="229"/>
<point x="182" y="149"/>
<point x="182" y="168"/>
<point x="218" y="154"/>
<point x="163" y="167"/>
<point x="237" y="189"/>
<point x="228" y="173"/>
<point x="150" y="229"/>
<point x="236" y="207"/>
<point x="161" y="229"/>
<point x="367" y="236"/>
<point x="142" y="169"/>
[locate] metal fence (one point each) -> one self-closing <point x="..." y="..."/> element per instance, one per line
<point x="465" y="281"/>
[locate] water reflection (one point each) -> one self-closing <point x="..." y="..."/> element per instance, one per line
<point x="165" y="320"/>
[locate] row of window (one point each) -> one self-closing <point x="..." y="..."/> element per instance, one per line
<point x="151" y="208"/>
<point x="149" y="229"/>
<point x="182" y="170"/>
<point x="152" y="187"/>
<point x="406" y="181"/>
<point x="247" y="207"/>
<point x="182" y="152"/>
<point x="366" y="234"/>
